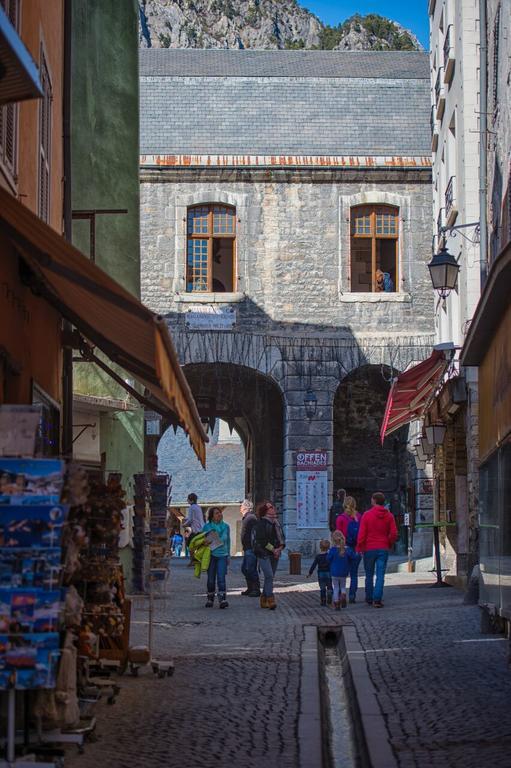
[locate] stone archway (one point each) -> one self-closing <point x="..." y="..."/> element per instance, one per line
<point x="361" y="464"/>
<point x="251" y="403"/>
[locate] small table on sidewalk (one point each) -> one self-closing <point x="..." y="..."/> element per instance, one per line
<point x="436" y="542"/>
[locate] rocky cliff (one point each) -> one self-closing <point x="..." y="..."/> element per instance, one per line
<point x="261" y="24"/>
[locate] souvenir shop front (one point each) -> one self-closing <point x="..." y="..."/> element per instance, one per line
<point x="488" y="347"/>
<point x="64" y="615"/>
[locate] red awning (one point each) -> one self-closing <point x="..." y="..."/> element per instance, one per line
<point x="411" y="392"/>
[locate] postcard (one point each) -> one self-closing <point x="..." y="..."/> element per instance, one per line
<point x="29" y="610"/>
<point x="32" y="526"/>
<point x="29" y="660"/>
<point x="31" y="481"/>
<point x="30" y="568"/>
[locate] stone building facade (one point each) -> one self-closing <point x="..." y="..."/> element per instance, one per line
<point x="310" y="171"/>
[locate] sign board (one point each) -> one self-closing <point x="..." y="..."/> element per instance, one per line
<point x="312" y="489"/>
<point x="210" y="318"/>
<point x="406" y="520"/>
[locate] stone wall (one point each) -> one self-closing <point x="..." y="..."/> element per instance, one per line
<point x="296" y="321"/>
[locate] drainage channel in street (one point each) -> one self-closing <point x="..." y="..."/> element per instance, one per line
<point x="337" y="712"/>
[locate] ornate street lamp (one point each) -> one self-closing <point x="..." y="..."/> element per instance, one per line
<point x="444" y="270"/>
<point x="435" y="433"/>
<point x="310" y="402"/>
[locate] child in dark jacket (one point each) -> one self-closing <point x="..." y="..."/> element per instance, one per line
<point x="339" y="568"/>
<point x="324" y="578"/>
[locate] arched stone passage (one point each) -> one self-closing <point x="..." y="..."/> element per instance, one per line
<point x="361" y="464"/>
<point x="223" y="480"/>
<point x="252" y="404"/>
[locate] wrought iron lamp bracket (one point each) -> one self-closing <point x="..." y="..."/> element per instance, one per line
<point x="457" y="229"/>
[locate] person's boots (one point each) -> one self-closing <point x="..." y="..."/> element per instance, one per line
<point x="343" y="601"/>
<point x="329" y="597"/>
<point x="211" y="599"/>
<point x="263" y="601"/>
<point x="323" y="601"/>
<point x="271" y="603"/>
<point x="337" y="605"/>
<point x="222" y="600"/>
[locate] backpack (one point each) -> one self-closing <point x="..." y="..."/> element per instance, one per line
<point x="352" y="533"/>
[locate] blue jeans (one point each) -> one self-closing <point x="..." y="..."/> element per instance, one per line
<point x="268" y="565"/>
<point x="375" y="559"/>
<point x="325" y="585"/>
<point x="177" y="550"/>
<point x="249" y="568"/>
<point x="354" y="564"/>
<point x="216" y="574"/>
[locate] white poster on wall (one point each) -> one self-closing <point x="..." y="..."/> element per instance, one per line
<point x="312" y="489"/>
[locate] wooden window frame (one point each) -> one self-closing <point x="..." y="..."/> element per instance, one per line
<point x="373" y="211"/>
<point x="211" y="236"/>
<point x="9" y="113"/>
<point x="45" y="139"/>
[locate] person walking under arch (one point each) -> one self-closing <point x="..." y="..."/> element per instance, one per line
<point x="269" y="544"/>
<point x="376" y="536"/>
<point x="220" y="553"/>
<point x="249" y="564"/>
<point x="349" y="523"/>
<point x="336" y="508"/>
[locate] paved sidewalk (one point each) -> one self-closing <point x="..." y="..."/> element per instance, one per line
<point x="445" y="690"/>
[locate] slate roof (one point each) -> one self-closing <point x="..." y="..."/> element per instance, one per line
<point x="284" y="102"/>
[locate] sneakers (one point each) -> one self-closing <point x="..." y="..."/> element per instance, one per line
<point x="352" y="600"/>
<point x="210" y="601"/>
<point x="377" y="604"/>
<point x="343" y="601"/>
<point x="369" y="602"/>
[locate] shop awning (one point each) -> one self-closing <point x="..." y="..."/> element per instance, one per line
<point x="19" y="76"/>
<point x="411" y="391"/>
<point x="106" y="314"/>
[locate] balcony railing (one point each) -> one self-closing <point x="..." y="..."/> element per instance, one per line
<point x="449" y="54"/>
<point x="439" y="94"/>
<point x="451" y="210"/>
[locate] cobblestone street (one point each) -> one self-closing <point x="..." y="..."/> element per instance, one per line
<point x="444" y="688"/>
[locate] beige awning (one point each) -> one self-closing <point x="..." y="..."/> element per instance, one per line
<point x="106" y="314"/>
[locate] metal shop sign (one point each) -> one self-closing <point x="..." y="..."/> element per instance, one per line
<point x="210" y="318"/>
<point x="312" y="489"/>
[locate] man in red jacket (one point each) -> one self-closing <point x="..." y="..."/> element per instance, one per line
<point x="376" y="536"/>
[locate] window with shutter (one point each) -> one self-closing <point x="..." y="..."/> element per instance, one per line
<point x="9" y="113"/>
<point x="44" y="140"/>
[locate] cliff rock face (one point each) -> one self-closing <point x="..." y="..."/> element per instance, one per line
<point x="263" y="24"/>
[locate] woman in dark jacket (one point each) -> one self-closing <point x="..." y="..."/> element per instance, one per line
<point x="268" y="545"/>
<point x="337" y="508"/>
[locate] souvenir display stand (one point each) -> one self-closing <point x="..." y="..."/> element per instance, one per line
<point x="152" y="495"/>
<point x="32" y="519"/>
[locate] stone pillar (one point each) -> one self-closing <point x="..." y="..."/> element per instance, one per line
<point x="302" y="434"/>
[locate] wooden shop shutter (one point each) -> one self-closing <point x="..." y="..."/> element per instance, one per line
<point x="9" y="113"/>
<point x="44" y="141"/>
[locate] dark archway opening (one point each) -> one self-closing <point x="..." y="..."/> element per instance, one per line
<point x="361" y="464"/>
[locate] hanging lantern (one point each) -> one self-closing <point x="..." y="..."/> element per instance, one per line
<point x="435" y="433"/>
<point x="427" y="447"/>
<point x="419" y="451"/>
<point x="443" y="269"/>
<point x="310" y="402"/>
